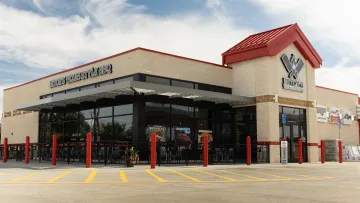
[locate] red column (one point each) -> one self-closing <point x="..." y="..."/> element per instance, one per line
<point x="300" y="151"/>
<point x="5" y="150"/>
<point x="54" y="148"/>
<point x="322" y="151"/>
<point x="248" y="150"/>
<point x="340" y="151"/>
<point x="153" y="151"/>
<point x="27" y="146"/>
<point x="206" y="150"/>
<point x="88" y="149"/>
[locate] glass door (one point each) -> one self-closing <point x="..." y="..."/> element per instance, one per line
<point x="291" y="133"/>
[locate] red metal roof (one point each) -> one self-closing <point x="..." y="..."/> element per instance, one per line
<point x="119" y="54"/>
<point x="270" y="43"/>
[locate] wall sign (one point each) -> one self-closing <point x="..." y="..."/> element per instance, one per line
<point x="321" y="114"/>
<point x="334" y="115"/>
<point x="292" y="82"/>
<point x="347" y="120"/>
<point x="93" y="72"/>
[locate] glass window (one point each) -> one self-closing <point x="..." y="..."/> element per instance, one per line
<point x="44" y="117"/>
<point x="291" y="111"/>
<point x="85" y="127"/>
<point x="72" y="90"/>
<point x="123" y="79"/>
<point x="241" y="114"/>
<point x="224" y="90"/>
<point x="157" y="80"/>
<point x="57" y="116"/>
<point x="87" y="87"/>
<point x="179" y="83"/>
<point x="110" y="82"/>
<point x="123" y="128"/>
<point x="103" y="129"/>
<point x="179" y="110"/>
<point x="205" y="87"/>
<point x="104" y="112"/>
<point x="202" y="113"/>
<point x="58" y="129"/>
<point x="123" y="109"/>
<point x="157" y="108"/>
<point x="226" y="115"/>
<point x="71" y="115"/>
<point x="87" y="113"/>
<point x="226" y="133"/>
<point x="71" y="131"/>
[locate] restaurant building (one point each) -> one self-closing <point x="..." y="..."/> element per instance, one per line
<point x="265" y="88"/>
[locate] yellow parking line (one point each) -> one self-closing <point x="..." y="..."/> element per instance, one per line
<point x="286" y="178"/>
<point x="185" y="176"/>
<point x="256" y="178"/>
<point x="223" y="177"/>
<point x="123" y="177"/>
<point x="91" y="176"/>
<point x="155" y="176"/>
<point x="24" y="177"/>
<point x="57" y="177"/>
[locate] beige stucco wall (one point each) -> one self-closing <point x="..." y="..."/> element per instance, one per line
<point x="138" y="61"/>
<point x="336" y="99"/>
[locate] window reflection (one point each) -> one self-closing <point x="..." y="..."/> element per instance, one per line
<point x="123" y="109"/>
<point x="71" y="131"/>
<point x="103" y="129"/>
<point x="123" y="128"/>
<point x="104" y="112"/>
<point x="85" y="127"/>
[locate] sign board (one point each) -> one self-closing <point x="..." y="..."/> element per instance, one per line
<point x="347" y="120"/>
<point x="334" y="115"/>
<point x="283" y="118"/>
<point x="339" y="123"/>
<point x="284" y="152"/>
<point x="321" y="114"/>
<point x="91" y="73"/>
<point x="293" y="68"/>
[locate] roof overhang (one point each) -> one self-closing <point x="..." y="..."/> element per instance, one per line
<point x="130" y="88"/>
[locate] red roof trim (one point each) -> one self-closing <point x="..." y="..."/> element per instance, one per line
<point x="119" y="54"/>
<point x="278" y="39"/>
<point x="337" y="90"/>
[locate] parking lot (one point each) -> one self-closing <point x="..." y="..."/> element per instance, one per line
<point x="331" y="182"/>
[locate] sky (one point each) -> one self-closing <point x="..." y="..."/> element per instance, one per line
<point x="40" y="37"/>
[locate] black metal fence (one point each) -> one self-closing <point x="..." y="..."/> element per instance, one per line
<point x="115" y="153"/>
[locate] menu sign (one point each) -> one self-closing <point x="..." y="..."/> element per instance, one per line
<point x="182" y="136"/>
<point x="202" y="133"/>
<point x="321" y="114"/>
<point x="347" y="117"/>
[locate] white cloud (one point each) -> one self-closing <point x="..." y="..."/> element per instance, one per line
<point x="50" y="42"/>
<point x="332" y="24"/>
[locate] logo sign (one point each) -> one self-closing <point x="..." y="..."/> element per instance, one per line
<point x="93" y="72"/>
<point x="322" y="114"/>
<point x="292" y="82"/>
<point x="347" y="120"/>
<point x="283" y="118"/>
<point x="284" y="152"/>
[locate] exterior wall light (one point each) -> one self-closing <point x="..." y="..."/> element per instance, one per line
<point x="276" y="98"/>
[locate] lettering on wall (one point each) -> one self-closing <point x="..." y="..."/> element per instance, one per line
<point x="292" y="82"/>
<point x="93" y="72"/>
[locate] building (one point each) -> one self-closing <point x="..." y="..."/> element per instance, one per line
<point x="264" y="89"/>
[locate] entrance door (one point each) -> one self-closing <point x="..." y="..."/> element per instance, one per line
<point x="292" y="135"/>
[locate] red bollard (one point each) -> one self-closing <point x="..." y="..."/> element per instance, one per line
<point x="5" y="150"/>
<point x="340" y="151"/>
<point x="153" y="151"/>
<point x="205" y="150"/>
<point x="283" y="139"/>
<point x="88" y="149"/>
<point x="27" y="146"/>
<point x="300" y="151"/>
<point x="54" y="148"/>
<point x="248" y="150"/>
<point x="322" y="151"/>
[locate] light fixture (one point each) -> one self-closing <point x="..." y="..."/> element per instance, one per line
<point x="192" y="97"/>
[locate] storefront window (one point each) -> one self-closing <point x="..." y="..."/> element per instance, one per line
<point x="110" y="82"/>
<point x="104" y="112"/>
<point x="103" y="129"/>
<point x="71" y="115"/>
<point x="71" y="131"/>
<point x="123" y="109"/>
<point x="58" y="129"/>
<point x="157" y="80"/>
<point x="123" y="128"/>
<point x="179" y="83"/>
<point x="182" y="110"/>
<point x="57" y="116"/>
<point x="89" y="113"/>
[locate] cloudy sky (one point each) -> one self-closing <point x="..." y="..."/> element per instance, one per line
<point x="40" y="37"/>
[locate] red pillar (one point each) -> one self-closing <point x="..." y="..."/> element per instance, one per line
<point x="248" y="150"/>
<point x="300" y="151"/>
<point x="153" y="151"/>
<point x="322" y="151"/>
<point x="5" y="150"/>
<point x="54" y="148"/>
<point x="88" y="149"/>
<point x="340" y="151"/>
<point x="27" y="146"/>
<point x="206" y="150"/>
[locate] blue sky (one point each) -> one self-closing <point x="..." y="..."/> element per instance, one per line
<point x="40" y="37"/>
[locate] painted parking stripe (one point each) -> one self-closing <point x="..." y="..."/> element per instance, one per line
<point x="185" y="176"/>
<point x="123" y="177"/>
<point x="286" y="178"/>
<point x="238" y="174"/>
<point x="23" y="178"/>
<point x="91" y="176"/>
<point x="57" y="177"/>
<point x="215" y="175"/>
<point x="155" y="176"/>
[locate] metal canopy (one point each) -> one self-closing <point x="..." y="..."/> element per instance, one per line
<point x="131" y="87"/>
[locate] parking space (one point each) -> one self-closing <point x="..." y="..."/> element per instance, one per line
<point x="158" y="176"/>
